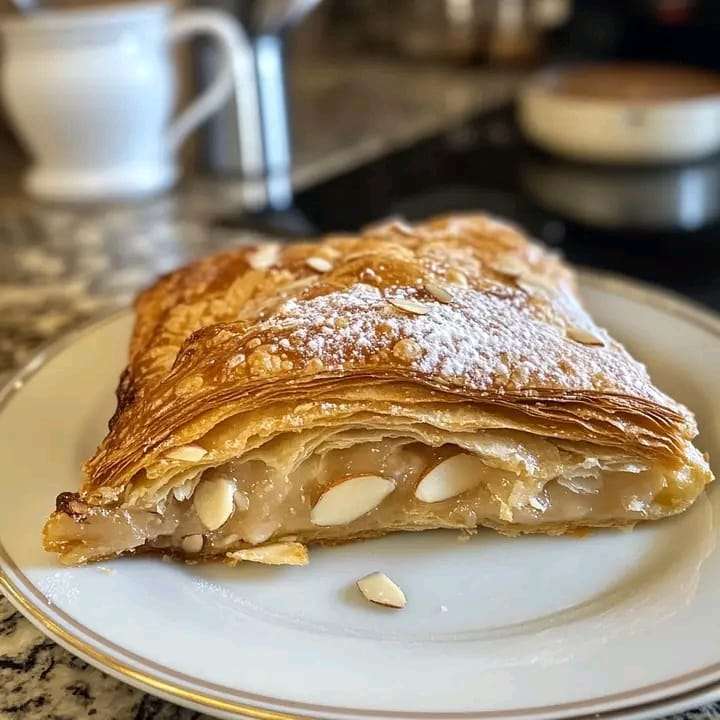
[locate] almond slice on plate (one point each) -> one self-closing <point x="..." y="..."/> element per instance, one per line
<point x="350" y="499"/>
<point x="379" y="588"/>
<point x="289" y="553"/>
<point x="214" y="502"/>
<point x="583" y="336"/>
<point x="186" y="453"/>
<point x="450" y="478"/>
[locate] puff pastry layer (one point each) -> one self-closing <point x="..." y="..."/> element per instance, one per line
<point x="442" y="375"/>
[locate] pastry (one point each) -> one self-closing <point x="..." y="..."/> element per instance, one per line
<point x="441" y="375"/>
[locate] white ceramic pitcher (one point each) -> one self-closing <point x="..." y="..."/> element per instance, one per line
<point x="91" y="93"/>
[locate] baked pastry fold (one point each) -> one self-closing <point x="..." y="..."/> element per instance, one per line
<point x="442" y="375"/>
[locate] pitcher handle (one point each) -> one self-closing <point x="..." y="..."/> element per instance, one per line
<point x="235" y="71"/>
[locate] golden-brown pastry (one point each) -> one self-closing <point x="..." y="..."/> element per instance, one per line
<point x="442" y="375"/>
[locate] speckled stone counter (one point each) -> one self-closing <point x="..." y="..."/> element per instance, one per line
<point x="60" y="268"/>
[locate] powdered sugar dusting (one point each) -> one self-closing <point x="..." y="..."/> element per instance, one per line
<point x="481" y="341"/>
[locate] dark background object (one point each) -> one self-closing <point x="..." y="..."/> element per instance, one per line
<point x="483" y="165"/>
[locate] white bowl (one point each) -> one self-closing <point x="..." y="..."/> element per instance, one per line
<point x="623" y="113"/>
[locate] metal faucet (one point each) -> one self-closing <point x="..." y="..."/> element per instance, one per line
<point x="252" y="138"/>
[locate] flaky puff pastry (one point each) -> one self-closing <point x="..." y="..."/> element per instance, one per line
<point x="409" y="378"/>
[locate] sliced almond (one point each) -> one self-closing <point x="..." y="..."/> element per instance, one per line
<point x="410" y="306"/>
<point x="290" y="553"/>
<point x="402" y="227"/>
<point x="450" y="478"/>
<point x="581" y="335"/>
<point x="350" y="499"/>
<point x="213" y="502"/>
<point x="379" y="588"/>
<point x="264" y="257"/>
<point x="509" y="266"/>
<point x="186" y="453"/>
<point x="457" y="278"/>
<point x="319" y="264"/>
<point x="192" y="543"/>
<point x="438" y="292"/>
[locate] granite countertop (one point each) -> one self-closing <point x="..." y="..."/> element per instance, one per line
<point x="60" y="267"/>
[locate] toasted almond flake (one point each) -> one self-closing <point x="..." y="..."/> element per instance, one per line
<point x="438" y="292"/>
<point x="290" y="553"/>
<point x="186" y="453"/>
<point x="449" y="478"/>
<point x="213" y="501"/>
<point x="581" y="335"/>
<point x="380" y="589"/>
<point x="319" y="264"/>
<point x="350" y="499"/>
<point x="264" y="257"/>
<point x="509" y="266"/>
<point x="457" y="278"/>
<point x="410" y="306"/>
<point x="192" y="543"/>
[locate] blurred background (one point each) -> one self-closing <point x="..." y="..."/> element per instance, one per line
<point x="594" y="123"/>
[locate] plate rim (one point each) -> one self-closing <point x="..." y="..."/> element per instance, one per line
<point x="208" y="697"/>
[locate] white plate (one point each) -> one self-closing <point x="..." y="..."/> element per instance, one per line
<point x="537" y="627"/>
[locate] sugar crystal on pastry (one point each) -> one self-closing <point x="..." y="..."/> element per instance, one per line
<point x="441" y="375"/>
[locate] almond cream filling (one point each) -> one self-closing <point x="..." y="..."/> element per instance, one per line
<point x="346" y="487"/>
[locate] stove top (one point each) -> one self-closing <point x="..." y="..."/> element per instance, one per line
<point x="658" y="224"/>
